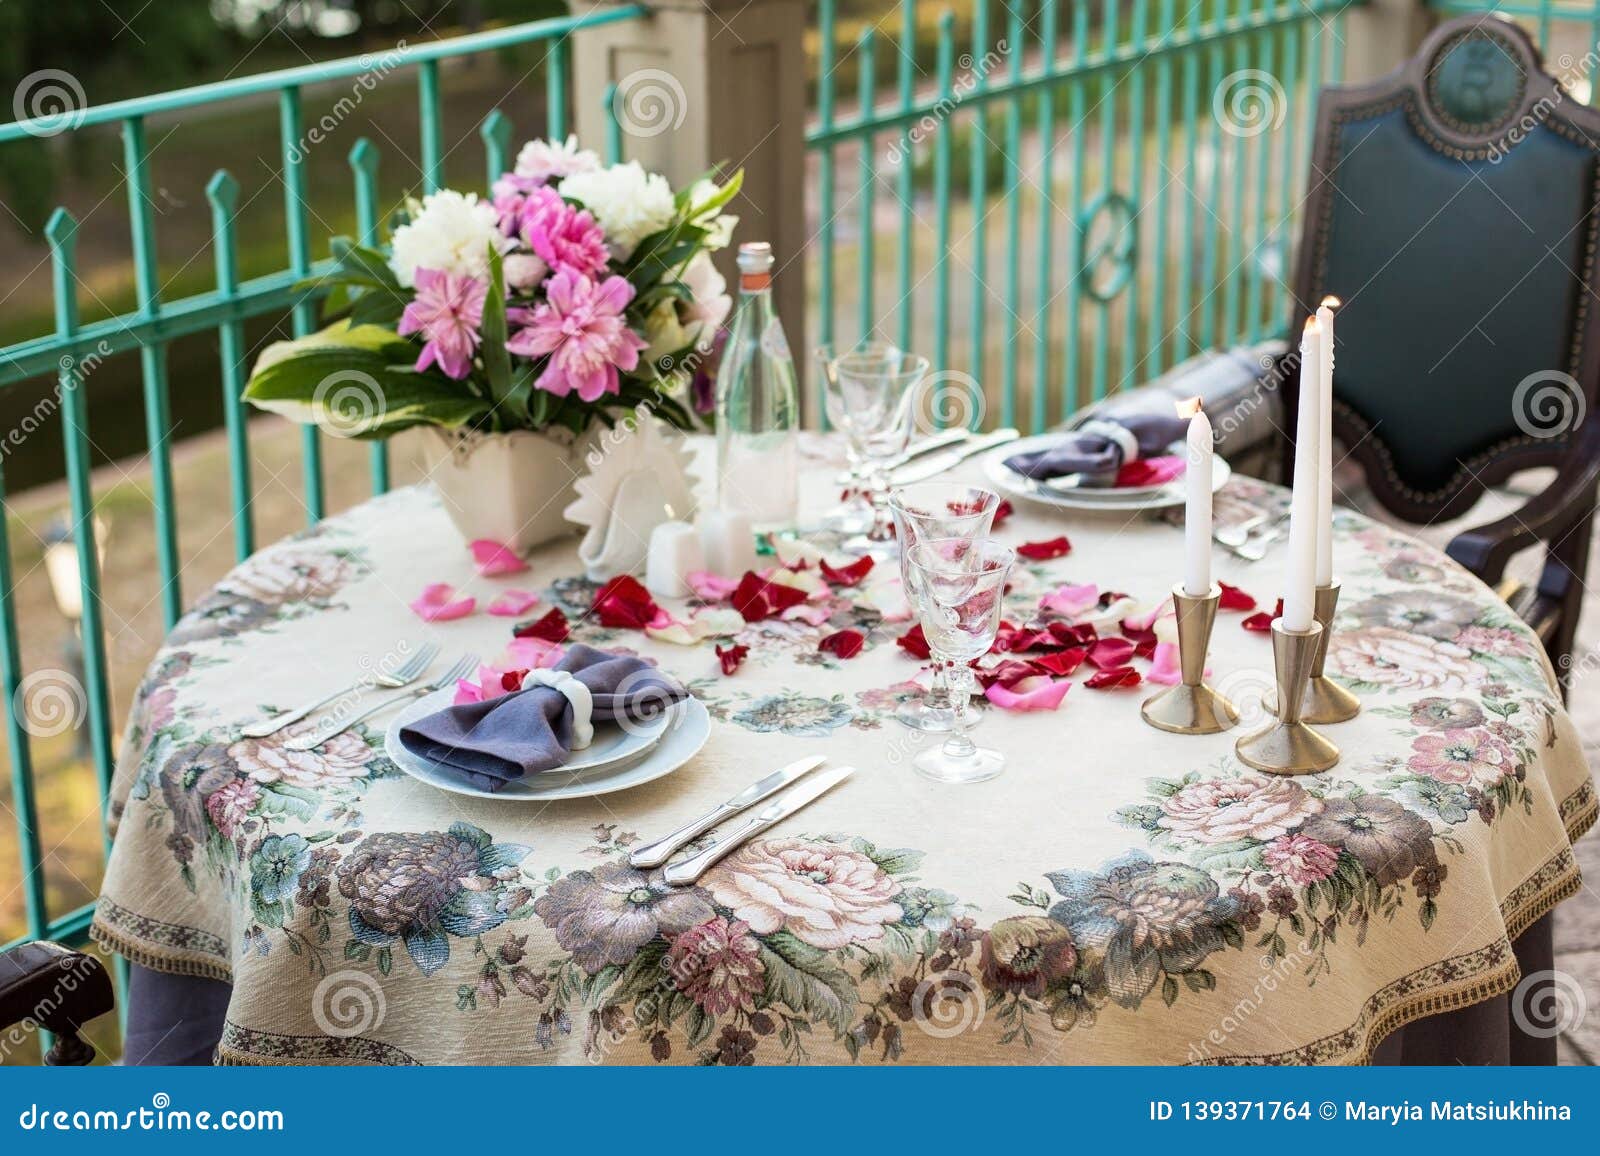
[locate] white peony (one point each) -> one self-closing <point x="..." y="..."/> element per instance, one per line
<point x="542" y="160"/>
<point x="665" y="332"/>
<point x="450" y="232"/>
<point x="704" y="315"/>
<point x="629" y="203"/>
<point x="718" y="224"/>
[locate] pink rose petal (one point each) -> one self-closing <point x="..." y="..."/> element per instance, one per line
<point x="808" y="612"/>
<point x="1039" y="693"/>
<point x="1070" y="601"/>
<point x="531" y="653"/>
<point x="438" y="603"/>
<point x="710" y="587"/>
<point x="513" y="604"/>
<point x="494" y="559"/>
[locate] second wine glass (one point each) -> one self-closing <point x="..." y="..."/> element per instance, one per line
<point x="960" y="590"/>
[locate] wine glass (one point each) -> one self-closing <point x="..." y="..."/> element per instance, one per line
<point x="934" y="510"/>
<point x="960" y="589"/>
<point x="869" y="392"/>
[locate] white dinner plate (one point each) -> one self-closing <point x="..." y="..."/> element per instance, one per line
<point x="1089" y="497"/>
<point x="616" y="760"/>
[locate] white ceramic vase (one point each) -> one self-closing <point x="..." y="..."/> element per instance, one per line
<point x="508" y="487"/>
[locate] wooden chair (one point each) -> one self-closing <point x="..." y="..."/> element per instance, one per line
<point x="55" y="989"/>
<point x="1453" y="207"/>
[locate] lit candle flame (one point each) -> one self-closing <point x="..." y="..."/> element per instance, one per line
<point x="1331" y="302"/>
<point x="1189" y="406"/>
<point x="1312" y="326"/>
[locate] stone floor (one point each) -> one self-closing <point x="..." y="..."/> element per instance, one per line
<point x="1577" y="932"/>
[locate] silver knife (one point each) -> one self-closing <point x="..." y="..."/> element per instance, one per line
<point x="927" y="445"/>
<point x="948" y="460"/>
<point x="657" y="853"/>
<point x="689" y="870"/>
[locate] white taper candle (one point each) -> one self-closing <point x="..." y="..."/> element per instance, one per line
<point x="1325" y="444"/>
<point x="1197" y="510"/>
<point x="1299" y="589"/>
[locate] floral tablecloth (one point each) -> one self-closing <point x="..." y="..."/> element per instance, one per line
<point x="1119" y="895"/>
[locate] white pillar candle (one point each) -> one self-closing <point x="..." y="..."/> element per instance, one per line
<point x="728" y="541"/>
<point x="1298" y="592"/>
<point x="1325" y="444"/>
<point x="1197" y="510"/>
<point x="675" y="552"/>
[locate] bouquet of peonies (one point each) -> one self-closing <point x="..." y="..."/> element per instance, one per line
<point x="577" y="292"/>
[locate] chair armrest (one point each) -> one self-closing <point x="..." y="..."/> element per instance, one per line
<point x="1486" y="549"/>
<point x="56" y="989"/>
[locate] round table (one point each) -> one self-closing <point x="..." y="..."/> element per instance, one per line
<point x="1118" y="895"/>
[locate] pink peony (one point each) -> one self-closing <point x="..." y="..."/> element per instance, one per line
<point x="1251" y="806"/>
<point x="562" y="235"/>
<point x="1467" y="757"/>
<point x="447" y="311"/>
<point x="825" y="895"/>
<point x="583" y="330"/>
<point x="230" y="804"/>
<point x="718" y="965"/>
<point x="1303" y="859"/>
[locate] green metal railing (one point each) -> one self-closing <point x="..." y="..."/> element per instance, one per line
<point x="1131" y="265"/>
<point x="1568" y="35"/>
<point x="74" y="347"/>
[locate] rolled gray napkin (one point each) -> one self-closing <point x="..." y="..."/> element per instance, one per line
<point x="1101" y="448"/>
<point x="490" y="744"/>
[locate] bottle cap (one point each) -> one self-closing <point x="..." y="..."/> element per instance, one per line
<point x="755" y="266"/>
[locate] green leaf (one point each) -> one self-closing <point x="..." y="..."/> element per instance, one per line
<point x="719" y="198"/>
<point x="355" y="949"/>
<point x="281" y="800"/>
<point x="699" y="1026"/>
<point x="802" y="977"/>
<point x="356" y="381"/>
<point x="496" y="361"/>
<point x="385" y="960"/>
<point x="1169" y="990"/>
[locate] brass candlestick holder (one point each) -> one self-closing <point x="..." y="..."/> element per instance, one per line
<point x="1327" y="701"/>
<point x="1191" y="707"/>
<point x="1288" y="746"/>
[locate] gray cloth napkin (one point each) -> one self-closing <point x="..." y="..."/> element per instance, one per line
<point x="1095" y="454"/>
<point x="490" y="744"/>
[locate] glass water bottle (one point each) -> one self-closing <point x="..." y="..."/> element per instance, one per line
<point x="758" y="406"/>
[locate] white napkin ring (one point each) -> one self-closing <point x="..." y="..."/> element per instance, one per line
<point x="1119" y="434"/>
<point x="578" y="695"/>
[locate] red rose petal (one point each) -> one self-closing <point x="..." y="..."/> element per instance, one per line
<point x="1150" y="471"/>
<point x="731" y="656"/>
<point x="511" y="680"/>
<point x="1145" y="647"/>
<point x="624" y="604"/>
<point x="914" y="642"/>
<point x="1006" y="673"/>
<point x="844" y="643"/>
<point x="1261" y="621"/>
<point x="756" y="598"/>
<point x="1061" y="662"/>
<point x="1044" y="551"/>
<point x="850" y="575"/>
<point x="1235" y="599"/>
<point x="551" y="628"/>
<point x="1110" y="653"/>
<point x="1001" y="512"/>
<point x="1113" y="679"/>
<point x="1080" y="634"/>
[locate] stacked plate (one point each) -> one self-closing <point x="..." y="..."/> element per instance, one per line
<point x="1073" y="493"/>
<point x="618" y="758"/>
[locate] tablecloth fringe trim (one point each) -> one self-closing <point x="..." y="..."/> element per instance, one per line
<point x="141" y="955"/>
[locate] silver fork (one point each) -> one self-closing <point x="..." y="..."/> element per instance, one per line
<point x="1236" y="536"/>
<point x="1256" y="548"/>
<point x="463" y="666"/>
<point x="407" y="673"/>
